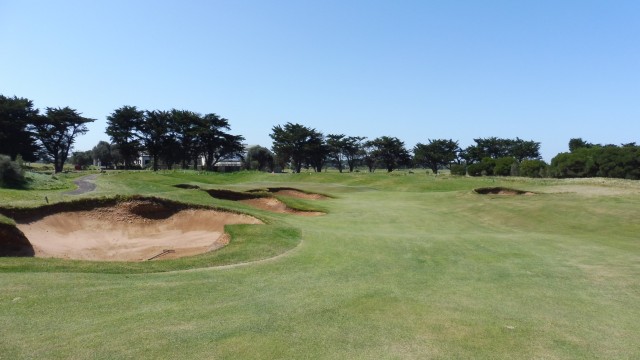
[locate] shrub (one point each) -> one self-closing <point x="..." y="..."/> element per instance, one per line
<point x="533" y="168"/>
<point x="502" y="166"/>
<point x="484" y="167"/>
<point x="11" y="174"/>
<point x="458" y="169"/>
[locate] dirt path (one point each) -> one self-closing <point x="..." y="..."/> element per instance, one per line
<point x="85" y="185"/>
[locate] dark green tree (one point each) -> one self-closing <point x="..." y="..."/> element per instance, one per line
<point x="578" y="143"/>
<point x="438" y="153"/>
<point x="185" y="127"/>
<point x="82" y="159"/>
<point x="122" y="128"/>
<point x="153" y="132"/>
<point x="259" y="158"/>
<point x="15" y="138"/>
<point x="336" y="144"/>
<point x="352" y="150"/>
<point x="291" y="143"/>
<point x="102" y="153"/>
<point x="522" y="149"/>
<point x="215" y="143"/>
<point x="344" y="149"/>
<point x="316" y="151"/>
<point x="57" y="131"/>
<point x="390" y="152"/>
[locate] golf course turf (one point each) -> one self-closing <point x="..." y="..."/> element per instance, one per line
<point x="399" y="266"/>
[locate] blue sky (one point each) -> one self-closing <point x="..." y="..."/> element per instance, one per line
<point x="539" y="70"/>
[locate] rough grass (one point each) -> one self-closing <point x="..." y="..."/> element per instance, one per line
<point x="402" y="266"/>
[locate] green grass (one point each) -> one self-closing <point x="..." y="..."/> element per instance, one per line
<point x="402" y="266"/>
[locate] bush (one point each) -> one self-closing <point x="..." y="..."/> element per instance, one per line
<point x="533" y="168"/>
<point x="502" y="166"/>
<point x="11" y="174"/>
<point x="484" y="167"/>
<point x="458" y="169"/>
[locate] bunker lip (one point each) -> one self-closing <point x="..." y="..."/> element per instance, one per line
<point x="13" y="242"/>
<point x="501" y="191"/>
<point x="262" y="199"/>
<point x="295" y="193"/>
<point x="133" y="229"/>
<point x="187" y="186"/>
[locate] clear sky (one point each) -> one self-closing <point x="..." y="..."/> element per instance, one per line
<point x="539" y="70"/>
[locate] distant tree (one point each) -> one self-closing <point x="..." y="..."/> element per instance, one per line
<point x="115" y="154"/>
<point x="336" y="144"/>
<point x="291" y="143"/>
<point x="316" y="151"/>
<point x="369" y="156"/>
<point x="185" y="129"/>
<point x="102" y="153"/>
<point x="578" y="143"/>
<point x="471" y="154"/>
<point x="352" y="150"/>
<point x="82" y="159"/>
<point x="153" y="133"/>
<point x="122" y="128"/>
<point x="57" y="131"/>
<point x="15" y="138"/>
<point x="493" y="147"/>
<point x="259" y="158"/>
<point x="390" y="152"/>
<point x="215" y="143"/>
<point x="438" y="153"/>
<point x="344" y="149"/>
<point x="522" y="149"/>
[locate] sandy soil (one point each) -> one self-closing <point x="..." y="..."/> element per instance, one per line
<point x="123" y="233"/>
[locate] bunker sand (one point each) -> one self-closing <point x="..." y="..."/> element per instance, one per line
<point x="130" y="231"/>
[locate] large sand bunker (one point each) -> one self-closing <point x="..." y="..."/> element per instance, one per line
<point x="132" y="230"/>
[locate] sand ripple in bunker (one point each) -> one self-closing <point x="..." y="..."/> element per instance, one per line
<point x="121" y="233"/>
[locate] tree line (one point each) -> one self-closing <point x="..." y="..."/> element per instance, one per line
<point x="302" y="146"/>
<point x="173" y="137"/>
<point x="186" y="139"/>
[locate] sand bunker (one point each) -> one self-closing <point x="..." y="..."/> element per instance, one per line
<point x="501" y="191"/>
<point x="277" y="206"/>
<point x="130" y="231"/>
<point x="264" y="200"/>
<point x="296" y="193"/>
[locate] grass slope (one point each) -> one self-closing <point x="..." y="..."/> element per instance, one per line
<point x="402" y="266"/>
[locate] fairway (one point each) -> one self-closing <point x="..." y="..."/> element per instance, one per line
<point x="396" y="266"/>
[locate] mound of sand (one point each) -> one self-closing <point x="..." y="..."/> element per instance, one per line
<point x="130" y="231"/>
